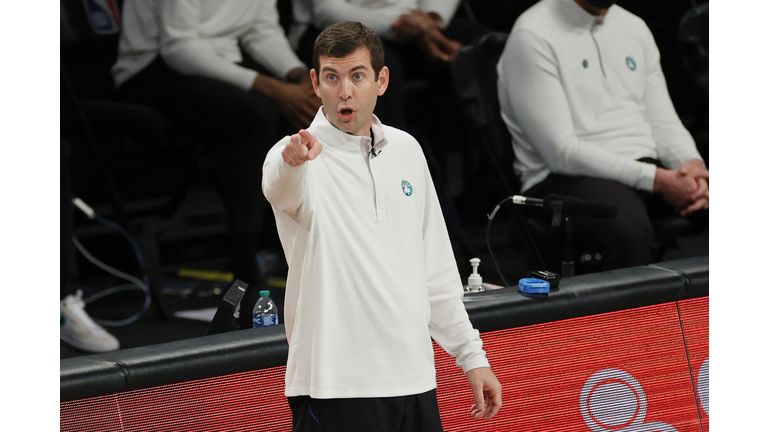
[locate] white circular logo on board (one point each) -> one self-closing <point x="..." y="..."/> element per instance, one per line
<point x="702" y="386"/>
<point x="612" y="400"/>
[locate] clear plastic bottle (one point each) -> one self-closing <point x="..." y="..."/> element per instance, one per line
<point x="265" y="311"/>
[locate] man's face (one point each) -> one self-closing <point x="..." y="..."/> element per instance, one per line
<point x="349" y="88"/>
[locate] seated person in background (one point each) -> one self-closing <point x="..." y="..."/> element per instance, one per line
<point x="184" y="58"/>
<point x="583" y="95"/>
<point x="420" y="37"/>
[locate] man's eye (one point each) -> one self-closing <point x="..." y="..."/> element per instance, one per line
<point x="358" y="76"/>
<point x="331" y="78"/>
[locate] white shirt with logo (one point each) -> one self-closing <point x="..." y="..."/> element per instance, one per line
<point x="586" y="96"/>
<point x="372" y="276"/>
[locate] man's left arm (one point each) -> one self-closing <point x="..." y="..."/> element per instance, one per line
<point x="674" y="143"/>
<point x="449" y="323"/>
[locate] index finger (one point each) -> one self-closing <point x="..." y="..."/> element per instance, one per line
<point x="306" y="137"/>
<point x="297" y="140"/>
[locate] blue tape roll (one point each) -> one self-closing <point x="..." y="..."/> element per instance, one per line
<point x="533" y="286"/>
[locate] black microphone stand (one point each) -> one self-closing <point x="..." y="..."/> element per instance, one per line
<point x="564" y="219"/>
<point x="563" y="207"/>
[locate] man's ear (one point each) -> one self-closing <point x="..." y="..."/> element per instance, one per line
<point x="315" y="82"/>
<point x="383" y="80"/>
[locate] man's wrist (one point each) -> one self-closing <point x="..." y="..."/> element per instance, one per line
<point x="660" y="179"/>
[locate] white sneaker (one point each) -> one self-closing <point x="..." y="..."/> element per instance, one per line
<point x="80" y="331"/>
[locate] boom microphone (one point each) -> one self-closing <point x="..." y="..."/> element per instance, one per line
<point x="571" y="205"/>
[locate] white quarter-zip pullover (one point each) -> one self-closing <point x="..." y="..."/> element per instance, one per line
<point x="371" y="269"/>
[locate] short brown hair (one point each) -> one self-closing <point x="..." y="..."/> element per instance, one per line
<point x="343" y="38"/>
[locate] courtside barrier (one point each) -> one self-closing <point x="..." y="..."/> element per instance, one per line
<point x="625" y="350"/>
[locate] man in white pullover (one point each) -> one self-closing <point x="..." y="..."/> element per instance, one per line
<point x="224" y="72"/>
<point x="372" y="277"/>
<point x="582" y="93"/>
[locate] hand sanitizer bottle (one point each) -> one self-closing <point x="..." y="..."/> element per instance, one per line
<point x="475" y="282"/>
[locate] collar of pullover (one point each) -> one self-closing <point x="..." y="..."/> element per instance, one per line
<point x="329" y="134"/>
<point x="575" y="16"/>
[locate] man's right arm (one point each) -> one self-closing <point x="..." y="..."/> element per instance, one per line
<point x="674" y="142"/>
<point x="529" y="76"/>
<point x="285" y="170"/>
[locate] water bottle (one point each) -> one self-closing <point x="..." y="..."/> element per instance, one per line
<point x="265" y="311"/>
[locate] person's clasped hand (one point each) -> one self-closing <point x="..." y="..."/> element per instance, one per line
<point x="694" y="169"/>
<point x="686" y="189"/>
<point x="422" y="29"/>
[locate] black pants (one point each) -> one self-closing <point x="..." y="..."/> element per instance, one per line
<point x="415" y="413"/>
<point x="626" y="241"/>
<point x="237" y="129"/>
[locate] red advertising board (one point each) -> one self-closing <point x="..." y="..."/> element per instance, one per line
<point x="620" y="371"/>
<point x="636" y="370"/>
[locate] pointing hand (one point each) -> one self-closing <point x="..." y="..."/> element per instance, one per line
<point x="302" y="147"/>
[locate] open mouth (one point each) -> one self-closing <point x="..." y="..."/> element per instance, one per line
<point x="346" y="112"/>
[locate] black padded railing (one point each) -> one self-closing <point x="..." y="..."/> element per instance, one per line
<point x="251" y="349"/>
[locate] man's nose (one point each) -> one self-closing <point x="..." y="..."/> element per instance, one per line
<point x="345" y="90"/>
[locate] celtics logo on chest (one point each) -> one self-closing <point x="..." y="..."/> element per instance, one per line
<point x="407" y="188"/>
<point x="631" y="63"/>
